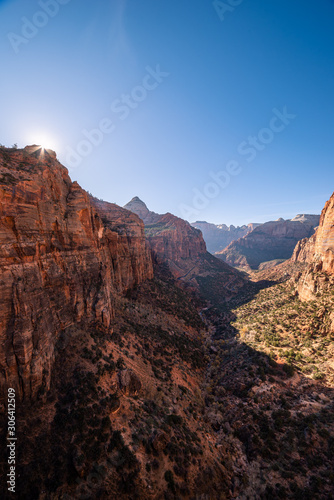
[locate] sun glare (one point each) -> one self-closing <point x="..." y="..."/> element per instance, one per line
<point x="44" y="140"/>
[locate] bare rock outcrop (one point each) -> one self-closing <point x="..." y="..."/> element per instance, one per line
<point x="129" y="382"/>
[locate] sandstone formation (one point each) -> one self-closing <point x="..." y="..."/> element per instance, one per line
<point x="317" y="253"/>
<point x="63" y="256"/>
<point x="271" y="241"/>
<point x="218" y="237"/>
<point x="173" y="239"/>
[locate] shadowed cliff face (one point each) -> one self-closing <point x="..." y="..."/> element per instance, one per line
<point x="318" y="253"/>
<point x="63" y="256"/>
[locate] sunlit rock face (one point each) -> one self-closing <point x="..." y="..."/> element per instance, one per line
<point x="63" y="257"/>
<point x="324" y="242"/>
<point x="318" y="253"/>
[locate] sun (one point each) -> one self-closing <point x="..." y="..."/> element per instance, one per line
<point x="47" y="141"/>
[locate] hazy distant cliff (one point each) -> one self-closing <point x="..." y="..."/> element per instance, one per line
<point x="269" y="241"/>
<point x="217" y="237"/>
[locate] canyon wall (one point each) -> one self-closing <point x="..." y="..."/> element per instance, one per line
<point x="63" y="257"/>
<point x="317" y="253"/>
<point x="179" y="246"/>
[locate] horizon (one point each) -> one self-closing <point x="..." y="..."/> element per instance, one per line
<point x="208" y="114"/>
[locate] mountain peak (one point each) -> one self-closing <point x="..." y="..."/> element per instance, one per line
<point x="137" y="206"/>
<point x="136" y="199"/>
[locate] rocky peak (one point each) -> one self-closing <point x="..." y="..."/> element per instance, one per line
<point x="171" y="239"/>
<point x="137" y="206"/>
<point x="137" y="202"/>
<point x="39" y="152"/>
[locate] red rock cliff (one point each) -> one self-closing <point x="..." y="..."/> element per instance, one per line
<point x="318" y="253"/>
<point x="175" y="243"/>
<point x="63" y="256"/>
<point x="171" y="239"/>
<point x="174" y="239"/>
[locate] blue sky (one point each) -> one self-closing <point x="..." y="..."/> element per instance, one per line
<point x="70" y="67"/>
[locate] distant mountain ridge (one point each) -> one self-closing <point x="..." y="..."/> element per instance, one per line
<point x="219" y="236"/>
<point x="271" y="241"/>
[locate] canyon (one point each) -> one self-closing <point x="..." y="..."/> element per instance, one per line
<point x="147" y="368"/>
<point x="178" y="245"/>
